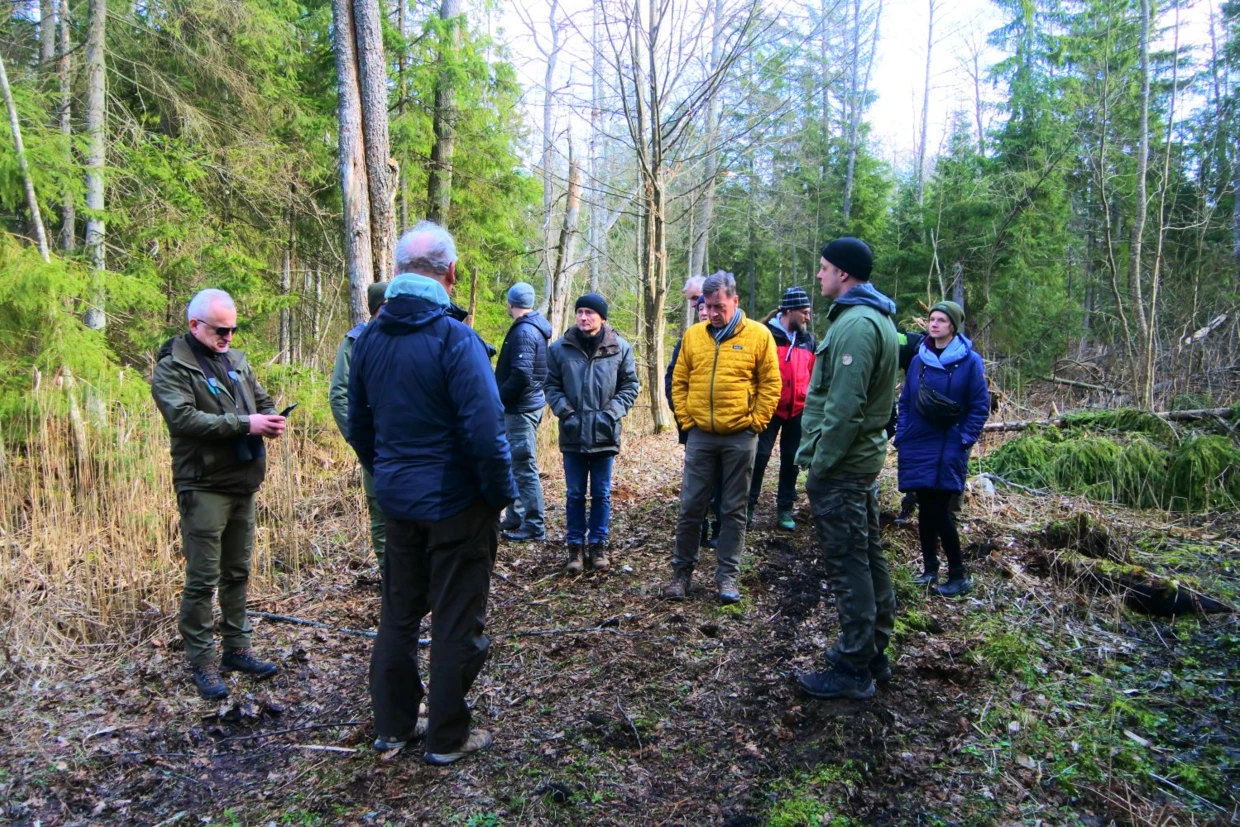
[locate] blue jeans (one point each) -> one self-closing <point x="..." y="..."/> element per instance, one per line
<point x="528" y="508"/>
<point x="578" y="470"/>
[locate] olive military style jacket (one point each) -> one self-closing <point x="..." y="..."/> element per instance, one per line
<point x="852" y="388"/>
<point x="207" y="421"/>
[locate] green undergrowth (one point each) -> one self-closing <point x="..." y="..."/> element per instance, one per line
<point x="815" y="797"/>
<point x="1125" y="456"/>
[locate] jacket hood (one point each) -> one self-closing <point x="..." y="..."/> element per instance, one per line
<point x="958" y="349"/>
<point x="407" y="313"/>
<point x="538" y="321"/>
<point x="421" y="287"/>
<point x="866" y="294"/>
<point x="781" y="335"/>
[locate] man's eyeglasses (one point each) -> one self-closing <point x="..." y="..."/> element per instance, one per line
<point x="219" y="331"/>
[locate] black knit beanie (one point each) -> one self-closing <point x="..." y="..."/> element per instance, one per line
<point x="594" y="302"/>
<point x="852" y="255"/>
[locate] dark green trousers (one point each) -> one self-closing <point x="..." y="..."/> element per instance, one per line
<point x="378" y="528"/>
<point x="845" y="510"/>
<point x="217" y="538"/>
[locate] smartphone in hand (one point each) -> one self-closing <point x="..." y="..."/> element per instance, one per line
<point x="288" y="410"/>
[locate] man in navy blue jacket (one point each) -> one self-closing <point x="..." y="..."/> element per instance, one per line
<point x="425" y="419"/>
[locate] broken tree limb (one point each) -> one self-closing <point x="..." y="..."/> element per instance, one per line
<point x="1058" y="421"/>
<point x="609" y="625"/>
<point x="1072" y="383"/>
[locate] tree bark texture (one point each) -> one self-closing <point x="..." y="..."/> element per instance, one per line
<point x="699" y="255"/>
<point x="439" y="178"/>
<point x="96" y="158"/>
<point x="859" y="91"/>
<point x="566" y="250"/>
<point x="594" y="239"/>
<point x="380" y="177"/>
<point x="1135" y="289"/>
<point x="33" y="202"/>
<point x="353" y="174"/>
<point x="68" y="209"/>
<point x="47" y="33"/>
<point x="925" y="114"/>
<point x="552" y="55"/>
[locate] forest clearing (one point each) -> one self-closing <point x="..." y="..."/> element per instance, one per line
<point x="1040" y="698"/>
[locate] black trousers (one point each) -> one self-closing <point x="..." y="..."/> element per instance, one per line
<point x="445" y="568"/>
<point x="936" y="521"/>
<point x="790" y="429"/>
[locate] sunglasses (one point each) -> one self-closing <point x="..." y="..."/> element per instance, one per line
<point x="220" y="331"/>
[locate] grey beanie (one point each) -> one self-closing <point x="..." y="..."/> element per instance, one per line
<point x="521" y="295"/>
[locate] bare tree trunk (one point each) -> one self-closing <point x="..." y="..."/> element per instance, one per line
<point x="31" y="200"/>
<point x="373" y="84"/>
<point x="47" y="33"/>
<point x="1135" y="290"/>
<point x="565" y="250"/>
<point x="958" y="284"/>
<point x="96" y="124"/>
<point x="439" y="182"/>
<point x="975" y="74"/>
<point x="594" y="240"/>
<point x="859" y="92"/>
<point x="353" y="184"/>
<point x="402" y="91"/>
<point x="1235" y="212"/>
<point x="286" y="286"/>
<point x="68" y="210"/>
<point x="699" y="256"/>
<point x="552" y="55"/>
<point x="925" y="114"/>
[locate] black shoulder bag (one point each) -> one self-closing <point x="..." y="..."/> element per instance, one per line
<point x="937" y="409"/>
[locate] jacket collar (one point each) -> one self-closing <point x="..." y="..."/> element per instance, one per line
<point x="609" y="346"/>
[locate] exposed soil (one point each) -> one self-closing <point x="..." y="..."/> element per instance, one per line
<point x="611" y="706"/>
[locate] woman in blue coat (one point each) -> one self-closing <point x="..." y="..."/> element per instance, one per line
<point x="943" y="407"/>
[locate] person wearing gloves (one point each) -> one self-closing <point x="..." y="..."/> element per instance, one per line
<point x="591" y="384"/>
<point x="944" y="404"/>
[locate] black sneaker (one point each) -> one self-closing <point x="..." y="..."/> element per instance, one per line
<point x="927" y="578"/>
<point x="207" y="681"/>
<point x="243" y="660"/>
<point x="837" y="682"/>
<point x="880" y="666"/>
<point x="955" y="586"/>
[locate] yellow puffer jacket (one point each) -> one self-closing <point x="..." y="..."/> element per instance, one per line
<point x="730" y="386"/>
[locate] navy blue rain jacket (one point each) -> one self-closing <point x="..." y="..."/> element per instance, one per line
<point x="933" y="457"/>
<point x="521" y="371"/>
<point x="424" y="412"/>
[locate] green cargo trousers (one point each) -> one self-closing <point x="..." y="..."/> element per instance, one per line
<point x="845" y="508"/>
<point x="378" y="528"/>
<point x="217" y="538"/>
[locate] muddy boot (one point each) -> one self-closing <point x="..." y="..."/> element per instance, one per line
<point x="783" y="519"/>
<point x="837" y="682"/>
<point x="598" y="556"/>
<point x="678" y="588"/>
<point x="243" y="660"/>
<point x="576" y="553"/>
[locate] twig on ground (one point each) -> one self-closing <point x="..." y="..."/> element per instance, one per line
<point x="1041" y="492"/>
<point x="275" y="732"/>
<point x="318" y="748"/>
<point x="632" y="726"/>
<point x="607" y="625"/>
<point x="301" y="621"/>
<point x="172" y="819"/>
<point x="1176" y="786"/>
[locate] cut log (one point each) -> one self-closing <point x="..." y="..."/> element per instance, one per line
<point x="1058" y="421"/>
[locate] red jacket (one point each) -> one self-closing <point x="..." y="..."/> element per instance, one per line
<point x="796" y="364"/>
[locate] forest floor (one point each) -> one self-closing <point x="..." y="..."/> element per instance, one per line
<point x="1031" y="701"/>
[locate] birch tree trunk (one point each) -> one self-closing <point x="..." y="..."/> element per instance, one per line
<point x="68" y="210"/>
<point x="439" y="181"/>
<point x="47" y="33"/>
<point x="1135" y="289"/>
<point x="35" y="218"/>
<point x="925" y="114"/>
<point x="96" y="123"/>
<point x="594" y="238"/>
<point x="354" y="187"/>
<point x="373" y="84"/>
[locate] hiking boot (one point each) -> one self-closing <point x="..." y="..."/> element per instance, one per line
<point x="837" y="682"/>
<point x="783" y="519"/>
<point x="956" y="585"/>
<point x="478" y="740"/>
<point x="207" y="681"/>
<point x="728" y="592"/>
<point x="678" y="588"/>
<point x="880" y="666"/>
<point x="907" y="506"/>
<point x="243" y="660"/>
<point x="575" y="562"/>
<point x="598" y="556"/>
<point x="927" y="578"/>
<point x="523" y="535"/>
<point x="385" y="743"/>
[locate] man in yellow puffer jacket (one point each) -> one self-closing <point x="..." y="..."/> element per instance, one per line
<point x="725" y="389"/>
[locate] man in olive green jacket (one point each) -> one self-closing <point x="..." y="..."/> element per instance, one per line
<point x="844" y="445"/>
<point x="338" y="397"/>
<point x="217" y="416"/>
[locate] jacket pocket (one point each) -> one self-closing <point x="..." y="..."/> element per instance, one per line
<point x="606" y="430"/>
<point x="570" y="429"/>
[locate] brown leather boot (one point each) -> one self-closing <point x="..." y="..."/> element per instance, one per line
<point x="598" y="556"/>
<point x="576" y="553"/>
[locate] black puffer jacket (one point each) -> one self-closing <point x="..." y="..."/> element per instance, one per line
<point x="521" y="371"/>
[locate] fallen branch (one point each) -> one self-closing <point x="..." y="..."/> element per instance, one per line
<point x="606" y="626"/>
<point x="1072" y="383"/>
<point x="301" y="621"/>
<point x="275" y="732"/>
<point x="317" y="748"/>
<point x="1041" y="492"/>
<point x="1058" y="421"/>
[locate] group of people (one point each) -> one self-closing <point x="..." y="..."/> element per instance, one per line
<point x="448" y="447"/>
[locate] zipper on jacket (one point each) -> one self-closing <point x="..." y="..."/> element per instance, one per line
<point x="938" y="471"/>
<point x="713" y="368"/>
